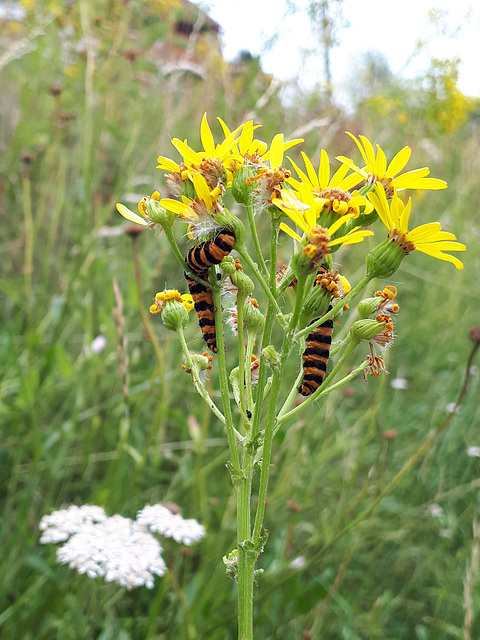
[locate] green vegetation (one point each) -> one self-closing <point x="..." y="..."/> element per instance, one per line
<point x="85" y="111"/>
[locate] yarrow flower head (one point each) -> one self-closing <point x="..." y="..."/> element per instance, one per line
<point x="60" y="525"/>
<point x="427" y="238"/>
<point x="161" y="520"/>
<point x="118" y="549"/>
<point x="377" y="171"/>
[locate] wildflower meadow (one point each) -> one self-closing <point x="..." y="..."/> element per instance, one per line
<point x="239" y="334"/>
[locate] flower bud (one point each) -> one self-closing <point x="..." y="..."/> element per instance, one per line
<point x="384" y="259"/>
<point x="367" y="306"/>
<point x="173" y="307"/>
<point x="315" y="306"/>
<point x="366" y="329"/>
<point x="226" y="219"/>
<point x="240" y="191"/>
<point x="156" y="213"/>
<point x="271" y="356"/>
<point x="254" y="318"/>
<point x="174" y="315"/>
<point x="238" y="277"/>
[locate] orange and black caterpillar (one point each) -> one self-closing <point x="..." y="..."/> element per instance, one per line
<point x="199" y="259"/>
<point x="315" y="357"/>
<point x="203" y="305"/>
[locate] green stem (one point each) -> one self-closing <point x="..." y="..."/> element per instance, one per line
<point x="324" y="391"/>
<point x="242" y="250"/>
<point x="181" y="260"/>
<point x="241" y="356"/>
<point x="335" y="308"/>
<point x="271" y="418"/>
<point x="222" y="372"/>
<point x="248" y="363"/>
<point x="246" y="559"/>
<point x="256" y="242"/>
<point x="29" y="243"/>
<point x="199" y="388"/>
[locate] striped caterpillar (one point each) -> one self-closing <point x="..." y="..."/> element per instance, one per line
<point x="199" y="259"/>
<point x="315" y="357"/>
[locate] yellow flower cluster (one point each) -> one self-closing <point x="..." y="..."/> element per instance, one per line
<point x="327" y="209"/>
<point x="168" y="295"/>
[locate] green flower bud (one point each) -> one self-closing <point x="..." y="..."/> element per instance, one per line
<point x="174" y="315"/>
<point x="240" y="191"/>
<point x="238" y="277"/>
<point x="275" y="213"/>
<point x="366" y="329"/>
<point x="301" y="263"/>
<point x="254" y="318"/>
<point x="368" y="306"/>
<point x="201" y="361"/>
<point x="226" y="219"/>
<point x="156" y="213"/>
<point x="384" y="259"/>
<point x="315" y="306"/>
<point x="231" y="564"/>
<point x="189" y="190"/>
<point x="271" y="356"/>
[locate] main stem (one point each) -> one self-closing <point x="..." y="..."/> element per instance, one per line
<point x="248" y="546"/>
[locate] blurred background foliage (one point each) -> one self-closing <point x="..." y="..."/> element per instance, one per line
<point x="91" y="94"/>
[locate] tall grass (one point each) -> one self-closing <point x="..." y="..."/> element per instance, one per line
<point x="80" y="128"/>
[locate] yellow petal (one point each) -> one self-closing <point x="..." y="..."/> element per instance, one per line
<point x="351" y="165"/>
<point x="445" y="246"/>
<point x="130" y="215"/>
<point x="174" y="206"/>
<point x="276" y="151"/>
<point x="370" y="155"/>
<point x="312" y="174"/>
<point x="166" y="163"/>
<point x="289" y="231"/>
<point x="203" y="192"/>
<point x="424" y="233"/>
<point x="207" y="138"/>
<point x="430" y="251"/>
<point x="398" y="162"/>
<point x="381" y="162"/>
<point x="338" y="177"/>
<point x="324" y="171"/>
<point x="189" y="155"/>
<point x="303" y="176"/>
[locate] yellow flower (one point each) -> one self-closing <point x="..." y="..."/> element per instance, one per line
<point x="143" y="218"/>
<point x="252" y="151"/>
<point x="334" y="192"/>
<point x="304" y="214"/>
<point x="376" y="169"/>
<point x="193" y="211"/>
<point x="163" y="297"/>
<point x="427" y="238"/>
<point x="213" y="162"/>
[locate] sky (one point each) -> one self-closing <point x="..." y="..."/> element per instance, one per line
<point x="281" y="38"/>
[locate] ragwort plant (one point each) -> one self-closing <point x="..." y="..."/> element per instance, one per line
<point x="323" y="214"/>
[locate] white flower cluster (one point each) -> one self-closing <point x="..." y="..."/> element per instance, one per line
<point x="118" y="549"/>
<point x="60" y="525"/>
<point x="161" y="520"/>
